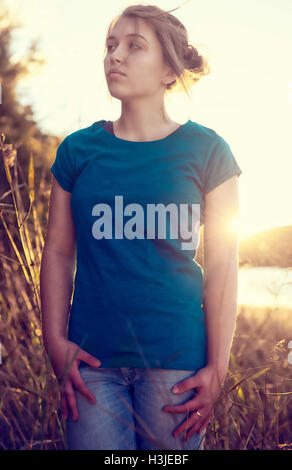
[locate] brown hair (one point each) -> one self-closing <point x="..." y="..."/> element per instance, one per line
<point x="183" y="58"/>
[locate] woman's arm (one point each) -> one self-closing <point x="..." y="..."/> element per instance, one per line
<point x="57" y="267"/>
<point x="220" y="273"/>
<point x="220" y="305"/>
<point x="56" y="286"/>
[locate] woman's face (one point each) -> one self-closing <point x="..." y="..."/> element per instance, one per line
<point x="139" y="58"/>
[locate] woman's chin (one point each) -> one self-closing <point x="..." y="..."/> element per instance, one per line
<point x="118" y="94"/>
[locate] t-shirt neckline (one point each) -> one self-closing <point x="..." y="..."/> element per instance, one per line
<point x="115" y="139"/>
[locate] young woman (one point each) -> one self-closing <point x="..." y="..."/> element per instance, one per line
<point x="128" y="198"/>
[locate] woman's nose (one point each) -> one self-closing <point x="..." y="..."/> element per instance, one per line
<point x="118" y="54"/>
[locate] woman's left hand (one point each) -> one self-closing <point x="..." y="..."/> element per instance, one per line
<point x="207" y="382"/>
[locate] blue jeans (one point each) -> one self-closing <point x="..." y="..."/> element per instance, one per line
<point x="128" y="412"/>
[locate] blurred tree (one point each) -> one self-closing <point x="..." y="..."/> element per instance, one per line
<point x="16" y="120"/>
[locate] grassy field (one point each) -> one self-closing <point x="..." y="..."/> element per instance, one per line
<point x="254" y="410"/>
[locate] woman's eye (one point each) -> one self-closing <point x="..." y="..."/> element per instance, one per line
<point x="132" y="44"/>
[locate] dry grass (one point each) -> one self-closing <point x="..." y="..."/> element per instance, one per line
<point x="253" y="412"/>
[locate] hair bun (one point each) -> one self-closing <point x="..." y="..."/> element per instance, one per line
<point x="192" y="58"/>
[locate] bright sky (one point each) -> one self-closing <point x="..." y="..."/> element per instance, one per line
<point x="247" y="97"/>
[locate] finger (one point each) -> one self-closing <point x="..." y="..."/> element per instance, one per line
<point x="194" y="427"/>
<point x="205" y="423"/>
<point x="90" y="360"/>
<point x="71" y="366"/>
<point x="191" y="432"/>
<point x="190" y="420"/>
<point x="190" y="405"/>
<point x="187" y="384"/>
<point x="198" y="426"/>
<point x="70" y="396"/>
<point x="65" y="375"/>
<point x="64" y="406"/>
<point x="81" y="387"/>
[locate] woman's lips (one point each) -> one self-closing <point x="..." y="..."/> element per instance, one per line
<point x="116" y="74"/>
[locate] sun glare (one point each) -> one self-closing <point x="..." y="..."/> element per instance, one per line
<point x="241" y="229"/>
<point x="234" y="225"/>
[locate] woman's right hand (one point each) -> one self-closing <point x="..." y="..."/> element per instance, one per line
<point x="65" y="358"/>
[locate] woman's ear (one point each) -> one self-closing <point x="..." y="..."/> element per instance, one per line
<point x="169" y="77"/>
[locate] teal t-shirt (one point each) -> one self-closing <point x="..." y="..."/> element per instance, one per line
<point x="137" y="208"/>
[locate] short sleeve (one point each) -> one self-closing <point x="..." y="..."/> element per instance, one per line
<point x="221" y="166"/>
<point x="63" y="167"/>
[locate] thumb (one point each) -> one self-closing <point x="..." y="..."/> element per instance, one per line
<point x="187" y="384"/>
<point x="90" y="360"/>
